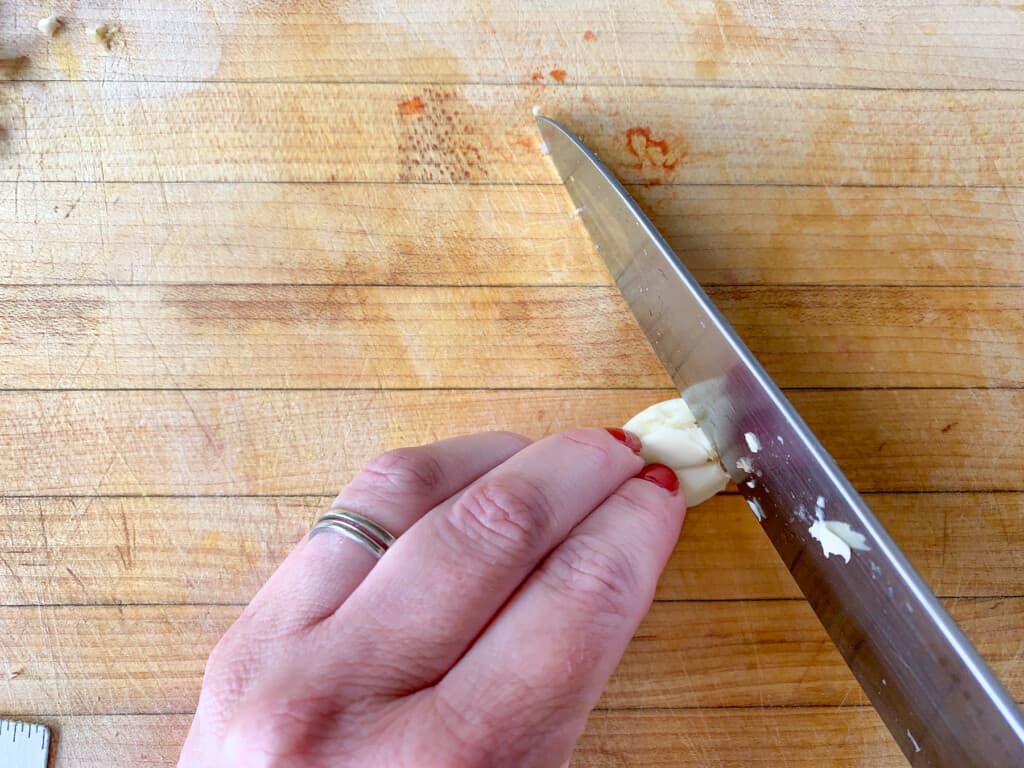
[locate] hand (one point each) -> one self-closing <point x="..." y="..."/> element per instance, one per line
<point x="483" y="637"/>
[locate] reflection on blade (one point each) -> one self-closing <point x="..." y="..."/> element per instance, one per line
<point x="937" y="696"/>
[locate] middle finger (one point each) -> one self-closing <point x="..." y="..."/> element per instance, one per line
<point x="445" y="579"/>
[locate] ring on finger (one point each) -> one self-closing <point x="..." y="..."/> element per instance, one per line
<point x="366" y="532"/>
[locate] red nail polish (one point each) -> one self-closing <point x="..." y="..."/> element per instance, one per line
<point x="662" y="476"/>
<point x="626" y="438"/>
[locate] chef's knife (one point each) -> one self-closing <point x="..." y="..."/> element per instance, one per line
<point x="942" y="703"/>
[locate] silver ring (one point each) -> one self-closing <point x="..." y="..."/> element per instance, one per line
<point x="373" y="536"/>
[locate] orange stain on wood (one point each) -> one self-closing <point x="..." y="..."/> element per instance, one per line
<point x="589" y="36"/>
<point x="721" y="33"/>
<point x="537" y="77"/>
<point x="410" y="107"/>
<point x="651" y="151"/>
<point x="558" y="75"/>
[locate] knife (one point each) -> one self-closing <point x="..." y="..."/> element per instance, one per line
<point x="937" y="696"/>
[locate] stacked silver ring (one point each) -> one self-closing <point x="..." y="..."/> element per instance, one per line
<point x="359" y="528"/>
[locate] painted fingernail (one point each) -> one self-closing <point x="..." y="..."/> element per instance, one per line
<point x="662" y="476"/>
<point x="626" y="438"/>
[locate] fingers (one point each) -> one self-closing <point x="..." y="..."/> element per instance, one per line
<point x="396" y="490"/>
<point x="446" y="578"/>
<point x="540" y="667"/>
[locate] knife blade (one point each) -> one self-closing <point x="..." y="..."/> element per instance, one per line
<point x="939" y="699"/>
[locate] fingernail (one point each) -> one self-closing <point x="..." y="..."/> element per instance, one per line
<point x="626" y="438"/>
<point x="662" y="476"/>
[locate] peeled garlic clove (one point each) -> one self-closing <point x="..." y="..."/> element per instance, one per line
<point x="670" y="436"/>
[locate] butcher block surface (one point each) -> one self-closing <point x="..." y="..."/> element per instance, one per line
<point x="245" y="249"/>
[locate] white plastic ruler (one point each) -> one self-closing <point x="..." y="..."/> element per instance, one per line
<point x="24" y="745"/>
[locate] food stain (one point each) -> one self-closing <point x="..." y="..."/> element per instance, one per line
<point x="652" y="152"/>
<point x="558" y="75"/>
<point x="722" y="33"/>
<point x="410" y="107"/>
<point x="589" y="36"/>
<point x="536" y="77"/>
<point x="442" y="145"/>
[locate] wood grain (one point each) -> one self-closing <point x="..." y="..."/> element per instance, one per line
<point x="685" y="655"/>
<point x="739" y="738"/>
<point x="160" y="132"/>
<point x="280" y="442"/>
<point x="850" y="177"/>
<point x="419" y="234"/>
<point x="84" y="551"/>
<point x="729" y="738"/>
<point x="318" y="336"/>
<point x="958" y="44"/>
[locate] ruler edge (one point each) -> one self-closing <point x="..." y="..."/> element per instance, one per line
<point x="34" y="726"/>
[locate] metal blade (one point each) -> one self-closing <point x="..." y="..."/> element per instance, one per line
<point x="942" y="703"/>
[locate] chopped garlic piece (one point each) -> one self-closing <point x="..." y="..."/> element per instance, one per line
<point x="101" y="34"/>
<point x="670" y="436"/>
<point x="837" y="538"/>
<point x="752" y="442"/>
<point x="49" y="25"/>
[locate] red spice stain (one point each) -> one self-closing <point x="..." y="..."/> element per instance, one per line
<point x="589" y="36"/>
<point x="413" y="106"/>
<point x="586" y="99"/>
<point x="523" y="141"/>
<point x="536" y="77"/>
<point x="558" y="75"/>
<point x="651" y="151"/>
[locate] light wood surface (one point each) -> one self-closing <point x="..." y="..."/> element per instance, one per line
<point x="767" y="653"/>
<point x="131" y="131"/>
<point x="248" y="229"/>
<point x="962" y="44"/>
<point x="105" y="550"/>
<point x="486" y="234"/>
<point x="189" y="337"/>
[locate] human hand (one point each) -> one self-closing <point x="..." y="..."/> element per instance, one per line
<point x="483" y="637"/>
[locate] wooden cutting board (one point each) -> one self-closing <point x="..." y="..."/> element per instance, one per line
<point x="243" y="251"/>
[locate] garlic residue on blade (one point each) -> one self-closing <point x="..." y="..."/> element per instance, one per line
<point x="49" y="25"/>
<point x="837" y="538"/>
<point x="752" y="442"/>
<point x="670" y="436"/>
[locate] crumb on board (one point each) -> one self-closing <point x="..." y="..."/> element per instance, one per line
<point x="13" y="672"/>
<point x="101" y="34"/>
<point x="49" y="25"/>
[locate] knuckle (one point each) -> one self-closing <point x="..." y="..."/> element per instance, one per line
<point x="403" y="471"/>
<point x="273" y="734"/>
<point x="594" y="574"/>
<point x="503" y="517"/>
